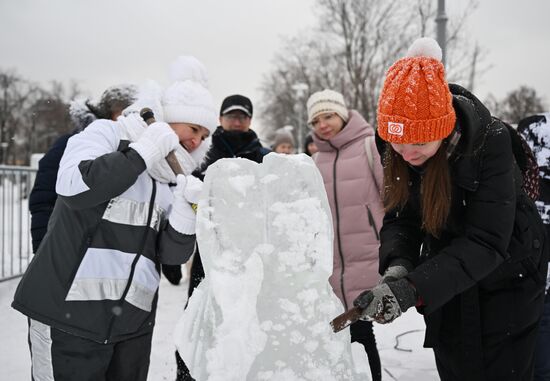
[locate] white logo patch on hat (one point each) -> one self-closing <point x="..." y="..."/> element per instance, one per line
<point x="395" y="128"/>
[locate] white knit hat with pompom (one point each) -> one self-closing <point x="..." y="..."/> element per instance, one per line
<point x="187" y="99"/>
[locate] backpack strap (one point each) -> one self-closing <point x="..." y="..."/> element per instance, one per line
<point x="370" y="159"/>
<point x="527" y="163"/>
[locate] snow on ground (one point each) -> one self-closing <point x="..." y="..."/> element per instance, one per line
<point x="406" y="363"/>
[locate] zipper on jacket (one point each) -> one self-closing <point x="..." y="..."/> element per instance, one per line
<point x="134" y="262"/>
<point x="338" y="240"/>
<point x="372" y="223"/>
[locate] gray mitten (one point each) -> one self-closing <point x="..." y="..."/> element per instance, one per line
<point x="387" y="301"/>
<point x="393" y="273"/>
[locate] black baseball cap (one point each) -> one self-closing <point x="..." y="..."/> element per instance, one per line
<point x="236" y="102"/>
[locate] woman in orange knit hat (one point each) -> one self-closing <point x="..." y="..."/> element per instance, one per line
<point x="461" y="240"/>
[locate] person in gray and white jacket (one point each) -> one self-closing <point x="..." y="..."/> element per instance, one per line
<point x="91" y="290"/>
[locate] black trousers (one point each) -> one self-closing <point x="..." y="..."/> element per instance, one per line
<point x="362" y="332"/>
<point x="62" y="356"/>
<point x="197" y="274"/>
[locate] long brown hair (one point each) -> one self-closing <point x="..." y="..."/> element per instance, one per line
<point x="435" y="187"/>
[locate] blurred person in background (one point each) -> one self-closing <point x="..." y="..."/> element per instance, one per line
<point x="310" y="148"/>
<point x="284" y="141"/>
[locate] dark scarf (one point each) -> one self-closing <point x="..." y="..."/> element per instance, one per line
<point x="229" y="144"/>
<point x="235" y="143"/>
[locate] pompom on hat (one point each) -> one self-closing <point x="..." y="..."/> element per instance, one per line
<point x="415" y="104"/>
<point x="326" y="101"/>
<point x="187" y="99"/>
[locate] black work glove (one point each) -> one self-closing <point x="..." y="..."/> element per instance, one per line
<point x="172" y="273"/>
<point x="387" y="301"/>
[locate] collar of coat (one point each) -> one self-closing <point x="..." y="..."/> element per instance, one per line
<point x="235" y="142"/>
<point x="475" y="121"/>
<point x="357" y="128"/>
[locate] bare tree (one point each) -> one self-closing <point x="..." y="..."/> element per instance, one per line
<point x="350" y="51"/>
<point x="31" y="117"/>
<point x="51" y="114"/>
<point x="294" y="66"/>
<point x="368" y="34"/>
<point x="15" y="96"/>
<point x="48" y="118"/>
<point x="517" y="104"/>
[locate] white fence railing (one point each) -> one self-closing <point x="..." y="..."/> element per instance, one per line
<point x="15" y="221"/>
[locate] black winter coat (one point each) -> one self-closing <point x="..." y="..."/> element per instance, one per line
<point x="480" y="280"/>
<point x="43" y="196"/>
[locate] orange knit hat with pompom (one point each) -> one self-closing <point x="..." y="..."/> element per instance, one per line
<point x="415" y="105"/>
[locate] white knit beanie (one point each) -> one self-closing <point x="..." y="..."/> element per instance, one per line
<point x="326" y="101"/>
<point x="187" y="99"/>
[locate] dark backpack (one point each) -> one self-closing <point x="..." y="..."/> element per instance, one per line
<point x="527" y="163"/>
<point x="531" y="259"/>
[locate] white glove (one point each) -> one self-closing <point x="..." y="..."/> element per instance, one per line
<point x="155" y="143"/>
<point x="182" y="217"/>
<point x="193" y="188"/>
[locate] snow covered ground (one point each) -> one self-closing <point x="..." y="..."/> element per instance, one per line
<point x="409" y="361"/>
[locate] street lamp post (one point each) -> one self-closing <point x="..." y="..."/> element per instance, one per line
<point x="441" y="22"/>
<point x="300" y="89"/>
<point x="4" y="146"/>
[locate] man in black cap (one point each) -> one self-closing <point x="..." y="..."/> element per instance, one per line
<point x="233" y="138"/>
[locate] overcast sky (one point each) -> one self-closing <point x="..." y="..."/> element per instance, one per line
<point x="105" y="42"/>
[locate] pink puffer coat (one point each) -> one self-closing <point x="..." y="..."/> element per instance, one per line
<point x="355" y="205"/>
